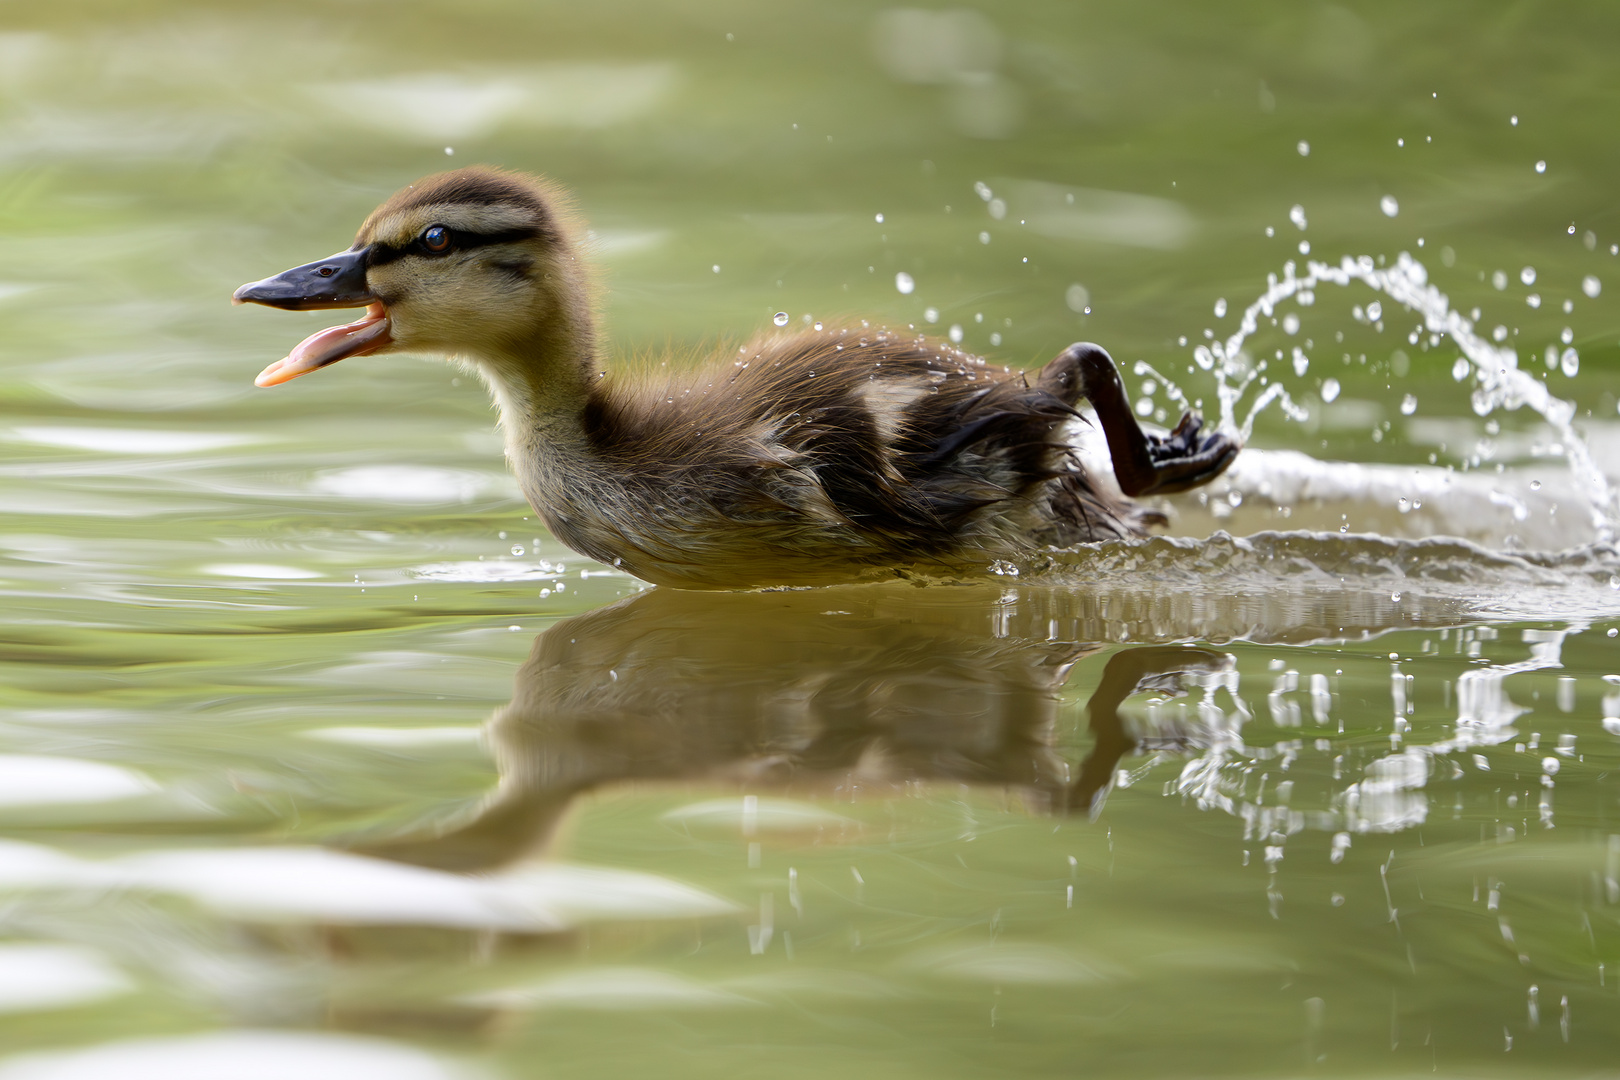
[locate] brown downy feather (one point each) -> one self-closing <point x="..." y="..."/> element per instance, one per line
<point x="822" y="449"/>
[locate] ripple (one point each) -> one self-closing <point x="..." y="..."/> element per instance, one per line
<point x="611" y="989"/>
<point x="404" y="484"/>
<point x="29" y="780"/>
<point x="45" y="976"/>
<point x="267" y="571"/>
<point x="241" y="1055"/>
<point x="130" y="440"/>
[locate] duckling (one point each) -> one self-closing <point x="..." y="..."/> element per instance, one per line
<point x="803" y="458"/>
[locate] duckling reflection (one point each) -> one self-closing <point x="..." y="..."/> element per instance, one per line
<point x="864" y="686"/>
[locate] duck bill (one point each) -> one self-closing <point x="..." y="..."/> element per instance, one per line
<point x="336" y="282"/>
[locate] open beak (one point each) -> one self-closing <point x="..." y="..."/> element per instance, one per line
<point x="335" y="282"/>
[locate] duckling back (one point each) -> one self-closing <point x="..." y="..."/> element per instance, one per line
<point x="824" y="456"/>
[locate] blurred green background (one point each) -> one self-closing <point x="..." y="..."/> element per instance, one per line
<point x="279" y="618"/>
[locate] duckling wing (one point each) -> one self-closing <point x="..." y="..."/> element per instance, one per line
<point x="924" y="450"/>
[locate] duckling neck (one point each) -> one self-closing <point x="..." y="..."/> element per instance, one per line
<point x="542" y="383"/>
<point x="543" y="387"/>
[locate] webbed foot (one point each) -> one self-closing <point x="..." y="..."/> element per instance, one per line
<point x="1143" y="464"/>
<point x="1186" y="457"/>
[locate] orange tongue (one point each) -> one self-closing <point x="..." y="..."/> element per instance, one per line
<point x="365" y="335"/>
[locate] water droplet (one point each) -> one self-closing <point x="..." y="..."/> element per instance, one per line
<point x="1570" y="363"/>
<point x="982" y="190"/>
<point x="1535" y="485"/>
<point x="1541" y="166"/>
<point x="780" y="318"/>
<point x="1566" y="335"/>
<point x="1514" y="120"/>
<point x="1304" y="148"/>
<point x="1613" y="632"/>
<point x="995" y="339"/>
<point x="998" y="209"/>
<point x="1375" y="311"/>
<point x="1395" y="596"/>
<point x="715" y="268"/>
<point x="1220" y="308"/>
<point x="1144" y="407"/>
<point x="1499" y="333"/>
<point x="1297" y="216"/>
<point x="931" y="314"/>
<point x="1330" y="389"/>
<point x="1461" y="368"/>
<point x="1591" y="286"/>
<point x="449" y="151"/>
<point x="1290" y="323"/>
<point x="1389" y="206"/>
<point x="879" y="219"/>
<point x="1498" y="280"/>
<point x="818" y="326"/>
<point x="956" y="333"/>
<point x="1534" y="300"/>
<point x="1077" y="297"/>
<point x="903" y="282"/>
<point x="1304" y="247"/>
<point x="984" y="238"/>
<point x="1408" y="405"/>
<point x="517" y="549"/>
<point x="1528" y="275"/>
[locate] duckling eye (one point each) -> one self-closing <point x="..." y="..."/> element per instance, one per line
<point x="436" y="239"/>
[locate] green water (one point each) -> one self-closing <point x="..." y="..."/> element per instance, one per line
<point x="318" y="756"/>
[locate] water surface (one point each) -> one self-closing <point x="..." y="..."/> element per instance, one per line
<point x="319" y="756"/>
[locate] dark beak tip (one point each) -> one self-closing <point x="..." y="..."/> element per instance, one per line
<point x="335" y="282"/>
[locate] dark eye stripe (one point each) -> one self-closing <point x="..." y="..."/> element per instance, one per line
<point x="460" y="240"/>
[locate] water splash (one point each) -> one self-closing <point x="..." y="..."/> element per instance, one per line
<point x="1499" y="383"/>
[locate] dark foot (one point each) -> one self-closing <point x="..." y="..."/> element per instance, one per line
<point x="1143" y="464"/>
<point x="1167" y="669"/>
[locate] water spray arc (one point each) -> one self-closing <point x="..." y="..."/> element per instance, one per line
<point x="1499" y="383"/>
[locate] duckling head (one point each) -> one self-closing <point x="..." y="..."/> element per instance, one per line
<point x="477" y="264"/>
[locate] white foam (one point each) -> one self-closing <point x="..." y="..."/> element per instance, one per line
<point x="489" y="570"/>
